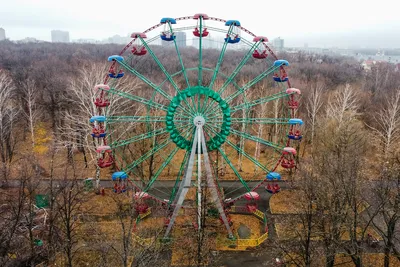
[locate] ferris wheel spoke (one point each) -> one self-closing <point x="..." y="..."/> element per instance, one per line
<point x="251" y="83"/>
<point x="214" y="107"/>
<point x="145" y="80"/>
<point x="258" y="101"/>
<point x="239" y="67"/>
<point x="220" y="59"/>
<point x="163" y="69"/>
<point x="140" y="137"/>
<point x="261" y="120"/>
<point x="257" y="139"/>
<point x="184" y="113"/>
<point x="138" y="99"/>
<point x="216" y="115"/>
<point x="148" y="154"/>
<point x="115" y="119"/>
<point x="200" y="66"/>
<point x="180" y="58"/>
<point x="225" y="157"/>
<point x="165" y="163"/>
<point x="240" y="150"/>
<point x="166" y="192"/>
<point x="166" y="73"/>
<point x="216" y="70"/>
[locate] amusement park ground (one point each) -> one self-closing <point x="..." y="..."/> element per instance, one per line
<point x="263" y="255"/>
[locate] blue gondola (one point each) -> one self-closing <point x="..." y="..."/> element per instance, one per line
<point x="295" y="137"/>
<point x="232" y="41"/>
<point x="234" y="22"/>
<point x="119" y="175"/>
<point x="280" y="80"/>
<point x="281" y="62"/>
<point x="296" y="121"/>
<point x="165" y="38"/>
<point x="99" y="135"/>
<point x="165" y="20"/>
<point x="98" y="119"/>
<point x="273" y="188"/>
<point x="295" y="133"/>
<point x="116" y="75"/>
<point x="115" y="57"/>
<point x="273" y="176"/>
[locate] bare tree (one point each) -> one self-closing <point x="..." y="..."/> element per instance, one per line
<point x="75" y="131"/>
<point x="386" y="211"/>
<point x="30" y="110"/>
<point x="343" y="104"/>
<point x="300" y="250"/>
<point x="338" y="158"/>
<point x="388" y="124"/>
<point x="8" y="113"/>
<point x="69" y="201"/>
<point x="313" y="106"/>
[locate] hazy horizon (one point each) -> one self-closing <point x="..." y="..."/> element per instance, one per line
<point x="339" y="24"/>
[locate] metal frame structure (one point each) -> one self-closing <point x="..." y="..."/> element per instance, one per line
<point x="186" y="112"/>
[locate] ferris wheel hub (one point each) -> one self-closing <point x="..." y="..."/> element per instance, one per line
<point x="190" y="103"/>
<point x="199" y="121"/>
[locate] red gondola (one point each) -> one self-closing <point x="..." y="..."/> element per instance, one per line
<point x="288" y="158"/>
<point x="273" y="189"/>
<point x="104" y="163"/>
<point x="101" y="103"/>
<point x="293" y="104"/>
<point x="259" y="55"/>
<point x="139" y="50"/>
<point x="196" y="32"/>
<point x="296" y="135"/>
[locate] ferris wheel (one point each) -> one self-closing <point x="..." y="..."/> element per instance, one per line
<point x="214" y="108"/>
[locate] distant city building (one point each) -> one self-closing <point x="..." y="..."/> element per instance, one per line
<point x="209" y="42"/>
<point x="29" y="40"/>
<point x="85" y="41"/>
<point x="117" y="39"/>
<point x="2" y="34"/>
<point x="368" y="64"/>
<point x="180" y="39"/>
<point x="59" y="36"/>
<point x="278" y="43"/>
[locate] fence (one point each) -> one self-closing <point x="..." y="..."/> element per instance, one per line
<point x="144" y="215"/>
<point x="244" y="243"/>
<point x="240" y="243"/>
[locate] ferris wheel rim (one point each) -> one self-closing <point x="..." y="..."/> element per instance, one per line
<point x="188" y="18"/>
<point x="191" y="17"/>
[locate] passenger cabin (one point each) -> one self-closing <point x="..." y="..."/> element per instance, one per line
<point x="204" y="32"/>
<point x="167" y="34"/>
<point x="287" y="161"/>
<point x="295" y="133"/>
<point x="234" y="36"/>
<point x="137" y="48"/>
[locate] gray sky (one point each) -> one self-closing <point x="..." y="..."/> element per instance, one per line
<point x="317" y="22"/>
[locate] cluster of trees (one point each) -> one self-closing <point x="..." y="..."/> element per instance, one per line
<point x="349" y="165"/>
<point x="351" y="136"/>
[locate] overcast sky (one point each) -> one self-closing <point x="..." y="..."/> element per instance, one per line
<point x="317" y="22"/>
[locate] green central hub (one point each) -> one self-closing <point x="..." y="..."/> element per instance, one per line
<point x="199" y="91"/>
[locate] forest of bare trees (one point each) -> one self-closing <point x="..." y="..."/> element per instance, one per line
<point x="350" y="153"/>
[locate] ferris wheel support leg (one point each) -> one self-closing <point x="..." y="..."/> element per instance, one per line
<point x="185" y="186"/>
<point x="212" y="186"/>
<point x="199" y="142"/>
<point x="97" y="177"/>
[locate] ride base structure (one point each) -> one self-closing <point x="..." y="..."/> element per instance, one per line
<point x="199" y="146"/>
